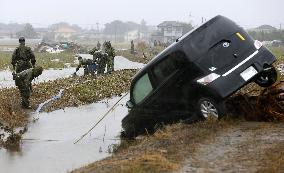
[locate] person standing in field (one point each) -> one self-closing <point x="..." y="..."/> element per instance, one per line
<point x="23" y="58"/>
<point x="109" y="50"/>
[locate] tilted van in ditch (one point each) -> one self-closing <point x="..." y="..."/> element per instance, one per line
<point x="195" y="74"/>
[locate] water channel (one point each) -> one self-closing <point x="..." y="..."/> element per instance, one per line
<point x="48" y="145"/>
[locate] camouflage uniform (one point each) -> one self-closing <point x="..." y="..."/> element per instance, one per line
<point x="132" y="47"/>
<point x="88" y="65"/>
<point x="23" y="82"/>
<point x="23" y="58"/>
<point x="92" y="52"/>
<point x="100" y="57"/>
<point x="111" y="54"/>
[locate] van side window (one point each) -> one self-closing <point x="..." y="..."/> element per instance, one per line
<point x="142" y="88"/>
<point x="169" y="65"/>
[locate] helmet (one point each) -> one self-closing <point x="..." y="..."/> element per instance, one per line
<point x="21" y="39"/>
<point x="107" y="44"/>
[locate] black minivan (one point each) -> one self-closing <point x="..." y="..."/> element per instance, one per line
<point x="195" y="74"/>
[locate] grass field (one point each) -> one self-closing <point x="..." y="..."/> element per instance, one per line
<point x="46" y="60"/>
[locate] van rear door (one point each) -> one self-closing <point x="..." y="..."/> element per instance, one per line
<point x="227" y="52"/>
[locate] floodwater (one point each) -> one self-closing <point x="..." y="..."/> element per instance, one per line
<point x="48" y="146"/>
<point x="6" y="78"/>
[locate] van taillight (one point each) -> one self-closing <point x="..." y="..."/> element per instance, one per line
<point x="208" y="79"/>
<point x="257" y="44"/>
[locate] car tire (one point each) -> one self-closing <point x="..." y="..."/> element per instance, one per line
<point x="266" y="78"/>
<point x="208" y="108"/>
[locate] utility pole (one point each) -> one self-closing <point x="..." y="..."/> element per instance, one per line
<point x="190" y="18"/>
<point x="97" y="26"/>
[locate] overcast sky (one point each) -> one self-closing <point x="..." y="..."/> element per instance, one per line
<point x="86" y="13"/>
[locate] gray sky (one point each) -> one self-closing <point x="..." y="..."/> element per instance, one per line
<point x="86" y="13"/>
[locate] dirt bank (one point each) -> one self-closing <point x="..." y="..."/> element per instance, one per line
<point x="224" y="146"/>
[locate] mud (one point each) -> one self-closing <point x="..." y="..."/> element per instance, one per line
<point x="240" y="149"/>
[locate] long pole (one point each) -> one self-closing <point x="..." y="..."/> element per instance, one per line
<point x="112" y="108"/>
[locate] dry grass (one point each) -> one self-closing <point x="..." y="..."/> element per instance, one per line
<point x="45" y="60"/>
<point x="11" y="114"/>
<point x="274" y="160"/>
<point x="164" y="151"/>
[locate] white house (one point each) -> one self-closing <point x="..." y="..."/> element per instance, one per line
<point x="132" y="35"/>
<point x="170" y="30"/>
<point x="264" y="28"/>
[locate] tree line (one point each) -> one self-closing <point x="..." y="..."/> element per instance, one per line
<point x="268" y="36"/>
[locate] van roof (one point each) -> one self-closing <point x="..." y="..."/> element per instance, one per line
<point x="177" y="45"/>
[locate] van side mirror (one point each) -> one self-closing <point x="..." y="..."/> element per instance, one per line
<point x="129" y="104"/>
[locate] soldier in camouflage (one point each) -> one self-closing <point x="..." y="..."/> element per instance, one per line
<point x="92" y="52"/>
<point x="23" y="57"/>
<point x="88" y="65"/>
<point x="23" y="81"/>
<point x="111" y="54"/>
<point x="100" y="57"/>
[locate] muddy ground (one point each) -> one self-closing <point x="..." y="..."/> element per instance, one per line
<point x="224" y="146"/>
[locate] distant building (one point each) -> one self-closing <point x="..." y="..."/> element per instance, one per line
<point x="91" y="35"/>
<point x="65" y="33"/>
<point x="132" y="35"/>
<point x="264" y="28"/>
<point x="42" y="32"/>
<point x="168" y="31"/>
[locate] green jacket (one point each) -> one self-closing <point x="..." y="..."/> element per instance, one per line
<point x="84" y="63"/>
<point x="110" y="51"/>
<point x="23" y="54"/>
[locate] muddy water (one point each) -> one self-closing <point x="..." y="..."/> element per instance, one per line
<point x="52" y="74"/>
<point x="48" y="144"/>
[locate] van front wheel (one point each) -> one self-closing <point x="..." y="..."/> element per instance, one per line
<point x="210" y="109"/>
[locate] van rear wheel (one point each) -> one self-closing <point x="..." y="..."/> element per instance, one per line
<point x="266" y="78"/>
<point x="210" y="109"/>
